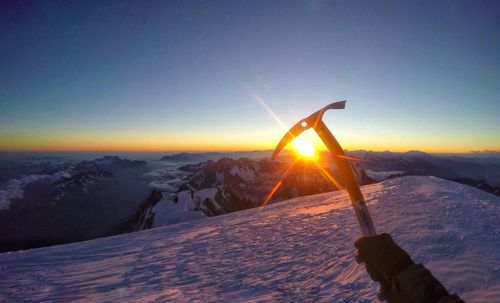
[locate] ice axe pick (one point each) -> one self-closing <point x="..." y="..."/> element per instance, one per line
<point x="347" y="173"/>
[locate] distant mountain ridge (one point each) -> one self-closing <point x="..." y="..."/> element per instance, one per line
<point x="111" y="195"/>
<point x="196" y="157"/>
<point x="481" y="172"/>
<point x="70" y="202"/>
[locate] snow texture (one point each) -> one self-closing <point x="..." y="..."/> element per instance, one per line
<point x="382" y="175"/>
<point x="167" y="212"/>
<point x="298" y="250"/>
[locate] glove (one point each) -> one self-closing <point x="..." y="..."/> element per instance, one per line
<point x="384" y="261"/>
<point x="401" y="280"/>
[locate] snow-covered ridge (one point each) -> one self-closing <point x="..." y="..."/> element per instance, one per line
<point x="296" y="250"/>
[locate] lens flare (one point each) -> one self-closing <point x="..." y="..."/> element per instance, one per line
<point x="304" y="148"/>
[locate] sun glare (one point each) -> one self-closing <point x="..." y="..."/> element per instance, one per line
<point x="304" y="148"/>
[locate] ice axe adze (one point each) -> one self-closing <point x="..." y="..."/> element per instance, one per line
<point x="315" y="121"/>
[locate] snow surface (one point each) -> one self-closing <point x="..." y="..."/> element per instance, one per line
<point x="298" y="250"/>
<point x="167" y="212"/>
<point x="382" y="175"/>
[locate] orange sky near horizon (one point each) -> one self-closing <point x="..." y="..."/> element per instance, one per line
<point x="89" y="143"/>
<point x="243" y="138"/>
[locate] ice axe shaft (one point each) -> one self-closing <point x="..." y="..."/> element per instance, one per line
<point x="315" y="121"/>
<point x="350" y="182"/>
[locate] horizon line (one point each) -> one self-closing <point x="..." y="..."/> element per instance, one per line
<point x="239" y="150"/>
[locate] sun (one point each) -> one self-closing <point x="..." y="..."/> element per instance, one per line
<point x="304" y="148"/>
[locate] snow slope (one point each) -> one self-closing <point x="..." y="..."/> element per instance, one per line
<point x="298" y="250"/>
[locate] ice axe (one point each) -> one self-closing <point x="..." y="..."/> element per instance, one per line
<point x="347" y="173"/>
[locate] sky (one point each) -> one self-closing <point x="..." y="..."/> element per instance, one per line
<point x="194" y="75"/>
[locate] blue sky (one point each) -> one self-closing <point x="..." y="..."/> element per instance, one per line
<point x="183" y="75"/>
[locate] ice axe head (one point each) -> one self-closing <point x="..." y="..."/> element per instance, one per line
<point x="305" y="124"/>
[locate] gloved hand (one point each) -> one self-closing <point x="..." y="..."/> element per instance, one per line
<point x="383" y="259"/>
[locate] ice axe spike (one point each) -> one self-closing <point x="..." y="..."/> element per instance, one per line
<point x="315" y="121"/>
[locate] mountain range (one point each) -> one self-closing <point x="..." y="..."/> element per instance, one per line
<point x="60" y="201"/>
<point x="68" y="202"/>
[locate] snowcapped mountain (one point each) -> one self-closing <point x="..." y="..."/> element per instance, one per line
<point x="67" y="202"/>
<point x="299" y="250"/>
<point x="229" y="185"/>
